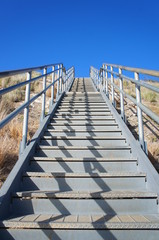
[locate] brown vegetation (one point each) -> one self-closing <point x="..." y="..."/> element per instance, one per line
<point x="11" y="134"/>
<point x="151" y="129"/>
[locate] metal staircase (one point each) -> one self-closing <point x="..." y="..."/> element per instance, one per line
<point x="86" y="179"/>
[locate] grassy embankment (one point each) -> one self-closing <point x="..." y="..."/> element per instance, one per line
<point x="151" y="129"/>
<point x="11" y="134"/>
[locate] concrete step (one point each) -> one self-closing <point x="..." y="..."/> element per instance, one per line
<point x="82" y="122"/>
<point x="86" y="108"/>
<point x="80" y="203"/>
<point x="82" y="141"/>
<point x="84" y="119"/>
<point x="108" y="123"/>
<point x="79" y="165"/>
<point x="92" y="101"/>
<point x="90" y="151"/>
<point x="83" y="98"/>
<point x="85" y="127"/>
<point x="67" y="110"/>
<point x="103" y="118"/>
<point x="83" y="104"/>
<point x="81" y="93"/>
<point x="88" y="114"/>
<point x="84" y="133"/>
<point x="114" y="181"/>
<point x="94" y="227"/>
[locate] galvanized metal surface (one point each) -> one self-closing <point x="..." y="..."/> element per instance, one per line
<point x="95" y="74"/>
<point x="102" y="190"/>
<point x="138" y="70"/>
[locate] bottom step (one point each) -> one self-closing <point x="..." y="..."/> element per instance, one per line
<point x="81" y="227"/>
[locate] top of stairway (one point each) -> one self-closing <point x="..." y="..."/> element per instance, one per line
<point x="83" y="85"/>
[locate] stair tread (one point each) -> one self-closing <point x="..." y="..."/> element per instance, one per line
<point x="70" y="93"/>
<point x="84" y="118"/>
<point x="85" y="195"/>
<point x="84" y="175"/>
<point x="83" y="124"/>
<point x="88" y="131"/>
<point x="44" y="147"/>
<point x="82" y="110"/>
<point x="84" y="159"/>
<point x="114" y="190"/>
<point x="50" y="221"/>
<point x="83" y="114"/>
<point x="82" y="138"/>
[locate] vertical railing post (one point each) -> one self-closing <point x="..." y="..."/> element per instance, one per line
<point x="73" y="73"/>
<point x="61" y="73"/>
<point x="26" y="116"/>
<point x="121" y="95"/>
<point x="95" y="77"/>
<point x="139" y="113"/>
<point x="66" y="80"/>
<point x="98" y="74"/>
<point x="43" y="95"/>
<point x="52" y="87"/>
<point x="106" y="79"/>
<point x="103" y="79"/>
<point x="100" y="77"/>
<point x="58" y="76"/>
<point x="59" y="79"/>
<point x="112" y="87"/>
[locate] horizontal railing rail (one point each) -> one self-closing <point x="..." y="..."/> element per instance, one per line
<point x="59" y="75"/>
<point x="21" y="84"/>
<point x="153" y="73"/>
<point x="104" y="81"/>
<point x="24" y="70"/>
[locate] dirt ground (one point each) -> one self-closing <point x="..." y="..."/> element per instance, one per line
<point x="151" y="130"/>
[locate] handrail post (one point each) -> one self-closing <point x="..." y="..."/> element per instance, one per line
<point x="64" y="79"/>
<point x="43" y="95"/>
<point x="61" y="73"/>
<point x="26" y="116"/>
<point x="97" y="79"/>
<point x="52" y="87"/>
<point x="121" y="96"/>
<point x="58" y="76"/>
<point x="103" y="78"/>
<point x="98" y="74"/>
<point x="104" y="83"/>
<point x="106" y="78"/>
<point x="59" y="79"/>
<point x="139" y="113"/>
<point x="112" y="87"/>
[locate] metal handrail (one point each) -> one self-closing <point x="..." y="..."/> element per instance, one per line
<point x="21" y="84"/>
<point x="153" y="73"/>
<point x="24" y="70"/>
<point x="62" y="86"/>
<point x="101" y="81"/>
<point x="142" y="84"/>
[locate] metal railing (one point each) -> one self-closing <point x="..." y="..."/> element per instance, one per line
<point x="104" y="81"/>
<point x="59" y="75"/>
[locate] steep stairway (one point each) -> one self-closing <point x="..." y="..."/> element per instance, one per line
<point x="83" y="182"/>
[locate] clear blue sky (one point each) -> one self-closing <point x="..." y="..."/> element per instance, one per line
<point x="79" y="33"/>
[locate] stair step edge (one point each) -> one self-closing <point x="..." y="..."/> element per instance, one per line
<point x="84" y="175"/>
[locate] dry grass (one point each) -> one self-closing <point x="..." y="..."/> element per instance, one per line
<point x="151" y="129"/>
<point x="11" y="134"/>
<point x="10" y="137"/>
